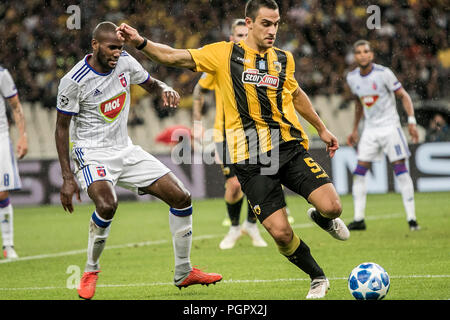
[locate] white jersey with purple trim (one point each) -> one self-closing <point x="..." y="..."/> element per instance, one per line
<point x="376" y="91"/>
<point x="7" y="90"/>
<point x="99" y="102"/>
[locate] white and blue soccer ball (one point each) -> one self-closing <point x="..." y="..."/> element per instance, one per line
<point x="368" y="281"/>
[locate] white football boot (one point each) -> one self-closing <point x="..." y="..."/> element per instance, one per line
<point x="337" y="230"/>
<point x="319" y="288"/>
<point x="9" y="252"/>
<point x="231" y="237"/>
<point x="252" y="230"/>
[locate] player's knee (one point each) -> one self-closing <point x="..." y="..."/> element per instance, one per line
<point x="282" y="236"/>
<point x="107" y="209"/>
<point x="233" y="190"/>
<point x="333" y="210"/>
<point x="182" y="200"/>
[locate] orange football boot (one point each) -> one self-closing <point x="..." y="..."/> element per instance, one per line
<point x="87" y="286"/>
<point x="196" y="276"/>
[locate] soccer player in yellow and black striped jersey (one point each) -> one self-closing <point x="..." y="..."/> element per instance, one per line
<point x="267" y="144"/>
<point x="234" y="197"/>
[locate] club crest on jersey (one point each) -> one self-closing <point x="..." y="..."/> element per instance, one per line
<point x="123" y="80"/>
<point x="277" y="66"/>
<point x="111" y="108"/>
<point x="101" y="171"/>
<point x="374" y="86"/>
<point x="252" y="76"/>
<point x="369" y="101"/>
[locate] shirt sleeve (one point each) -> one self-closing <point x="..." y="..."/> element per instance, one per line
<point x="138" y="74"/>
<point x="350" y="83"/>
<point x="210" y="57"/>
<point x="7" y="87"/>
<point x="391" y="80"/>
<point x="68" y="97"/>
<point x="207" y="81"/>
<point x="291" y="83"/>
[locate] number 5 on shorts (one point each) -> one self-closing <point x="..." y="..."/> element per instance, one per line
<point x="315" y="167"/>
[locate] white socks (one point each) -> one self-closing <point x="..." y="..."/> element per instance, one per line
<point x="98" y="233"/>
<point x="404" y="183"/>
<point x="6" y="225"/>
<point x="180" y="222"/>
<point x="406" y="187"/>
<point x="359" y="191"/>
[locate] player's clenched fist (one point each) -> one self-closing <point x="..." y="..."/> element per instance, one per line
<point x="129" y="35"/>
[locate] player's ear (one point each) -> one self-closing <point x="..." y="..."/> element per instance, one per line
<point x="249" y="22"/>
<point x="94" y="44"/>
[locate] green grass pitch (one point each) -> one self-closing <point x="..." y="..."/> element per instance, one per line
<point x="138" y="260"/>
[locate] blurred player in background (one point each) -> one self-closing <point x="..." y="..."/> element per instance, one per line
<point x="94" y="98"/>
<point x="261" y="95"/>
<point x="375" y="88"/>
<point x="9" y="174"/>
<point x="234" y="196"/>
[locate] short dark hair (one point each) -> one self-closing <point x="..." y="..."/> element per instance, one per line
<point x="361" y="43"/>
<point x="102" y="27"/>
<point x="252" y="7"/>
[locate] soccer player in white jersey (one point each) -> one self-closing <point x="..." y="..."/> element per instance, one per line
<point x="94" y="101"/>
<point x="9" y="174"/>
<point x="375" y="88"/>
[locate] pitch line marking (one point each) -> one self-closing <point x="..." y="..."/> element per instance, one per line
<point x="156" y="242"/>
<point x="230" y="281"/>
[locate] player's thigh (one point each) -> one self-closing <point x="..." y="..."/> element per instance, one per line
<point x="369" y="147"/>
<point x="92" y="165"/>
<point x="395" y="145"/>
<point x="302" y="174"/>
<point x="140" y="170"/>
<point x="264" y="192"/>
<point x="169" y="189"/>
<point x="9" y="173"/>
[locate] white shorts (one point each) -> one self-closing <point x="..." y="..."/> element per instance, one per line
<point x="130" y="167"/>
<point x="375" y="142"/>
<point x="9" y="173"/>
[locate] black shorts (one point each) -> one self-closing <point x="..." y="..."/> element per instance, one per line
<point x="296" y="170"/>
<point x="224" y="156"/>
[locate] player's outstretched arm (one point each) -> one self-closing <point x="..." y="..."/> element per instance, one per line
<point x="70" y="186"/>
<point x="170" y="97"/>
<point x="304" y="107"/>
<point x="157" y="52"/>
<point x="22" y="143"/>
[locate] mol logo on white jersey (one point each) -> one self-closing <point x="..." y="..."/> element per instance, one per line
<point x="111" y="108"/>
<point x="369" y="101"/>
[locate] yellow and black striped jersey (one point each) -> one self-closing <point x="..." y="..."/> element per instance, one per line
<point x="256" y="90"/>
<point x="208" y="81"/>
